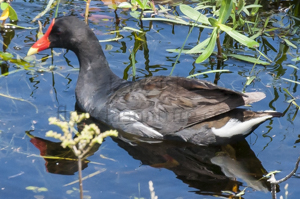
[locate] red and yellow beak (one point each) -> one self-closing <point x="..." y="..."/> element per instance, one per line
<point x="43" y="43"/>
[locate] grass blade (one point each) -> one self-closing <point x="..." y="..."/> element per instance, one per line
<point x="207" y="72"/>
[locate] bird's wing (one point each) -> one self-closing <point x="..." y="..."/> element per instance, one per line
<point x="169" y="104"/>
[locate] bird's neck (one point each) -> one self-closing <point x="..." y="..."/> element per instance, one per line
<point x="96" y="81"/>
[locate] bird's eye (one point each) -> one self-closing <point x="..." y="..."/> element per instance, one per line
<point x="57" y="31"/>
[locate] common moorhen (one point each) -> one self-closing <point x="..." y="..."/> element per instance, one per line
<point x="156" y="107"/>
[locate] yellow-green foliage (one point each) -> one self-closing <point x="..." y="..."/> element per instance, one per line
<point x="84" y="140"/>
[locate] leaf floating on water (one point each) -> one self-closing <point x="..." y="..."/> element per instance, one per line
<point x="207" y="72"/>
<point x="132" y="29"/>
<point x="104" y="157"/>
<point x="6" y="56"/>
<point x="249" y="59"/>
<point x="289" y="80"/>
<point x="36" y="189"/>
<point x="293" y="66"/>
<point x="177" y="51"/>
<point x="113" y="39"/>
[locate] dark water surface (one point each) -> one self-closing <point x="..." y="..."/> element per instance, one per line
<point x="118" y="169"/>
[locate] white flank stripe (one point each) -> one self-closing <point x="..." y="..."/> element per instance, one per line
<point x="236" y="127"/>
<point x="128" y="116"/>
<point x="147" y="130"/>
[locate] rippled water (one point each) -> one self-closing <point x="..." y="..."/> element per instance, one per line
<point x="118" y="169"/>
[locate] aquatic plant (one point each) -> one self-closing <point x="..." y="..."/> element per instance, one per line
<point x="83" y="142"/>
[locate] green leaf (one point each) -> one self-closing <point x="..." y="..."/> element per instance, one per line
<point x="124" y="5"/>
<point x="133" y="64"/>
<point x="145" y="2"/>
<point x="294" y="31"/>
<point x="241" y="193"/>
<point x="21" y="62"/>
<point x="135" y="14"/>
<point x="6" y="56"/>
<point x="132" y="29"/>
<point x="256" y="34"/>
<point x="161" y="7"/>
<point x="140" y="4"/>
<point x="290" y="43"/>
<point x="48" y="7"/>
<point x="213" y="22"/>
<point x="296" y="59"/>
<point x="293" y="98"/>
<point x="240" y="6"/>
<point x="250" y="80"/>
<point x="32" y="188"/>
<point x="21" y="27"/>
<point x="112" y="39"/>
<point x="289" y="80"/>
<point x="4" y="5"/>
<point x="210" y="47"/>
<point x="262" y="54"/>
<point x="176" y="22"/>
<point x="207" y="72"/>
<point x="239" y="37"/>
<point x="253" y="6"/>
<point x="42" y="189"/>
<point x="249" y="59"/>
<point x="225" y="10"/>
<point x="293" y="66"/>
<point x="199" y="46"/>
<point x="246" y="12"/>
<point x="255" y="9"/>
<point x="193" y="14"/>
<point x="178" y="51"/>
<point x="290" y="101"/>
<point x="272" y="172"/>
<point x="12" y="14"/>
<point x="266" y="22"/>
<point x="108" y="47"/>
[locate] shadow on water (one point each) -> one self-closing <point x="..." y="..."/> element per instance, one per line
<point x="211" y="170"/>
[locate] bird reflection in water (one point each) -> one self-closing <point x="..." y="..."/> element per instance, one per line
<point x="209" y="169"/>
